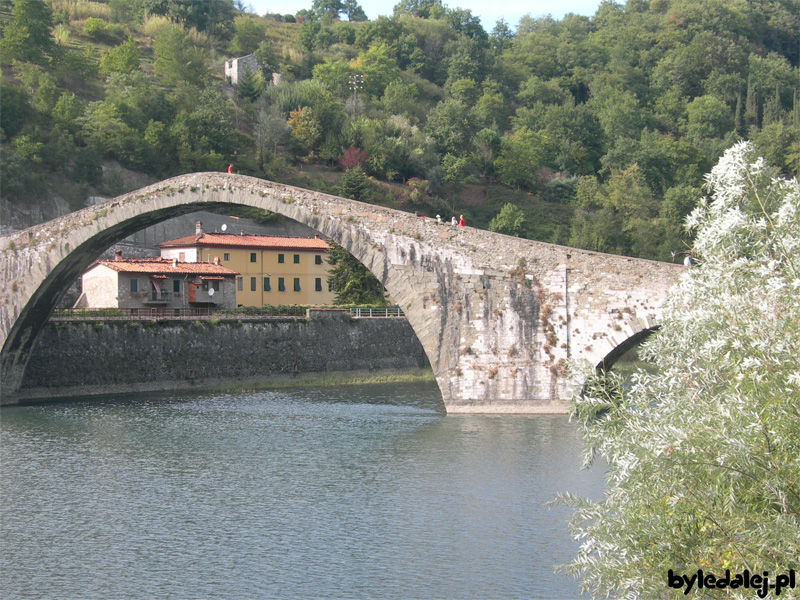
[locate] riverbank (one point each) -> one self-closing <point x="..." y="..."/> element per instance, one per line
<point x="232" y="385"/>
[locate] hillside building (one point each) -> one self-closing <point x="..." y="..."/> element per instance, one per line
<point x="272" y="270"/>
<point x="235" y="68"/>
<point x="157" y="283"/>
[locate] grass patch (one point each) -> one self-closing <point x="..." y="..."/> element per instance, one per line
<point x="322" y="379"/>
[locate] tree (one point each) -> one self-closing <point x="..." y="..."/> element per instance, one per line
<point x="450" y="127"/>
<point x="520" y="155"/>
<point x="177" y="59"/>
<point x="249" y="86"/>
<point x="351" y="281"/>
<point x="305" y="127"/>
<point x="703" y="454"/>
<point x="249" y="34"/>
<point x="26" y="36"/>
<point x="123" y="58"/>
<point x="353" y="11"/>
<point x="270" y="131"/>
<point x="354" y="184"/>
<point x="510" y="220"/>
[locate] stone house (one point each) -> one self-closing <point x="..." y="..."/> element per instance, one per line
<point x="157" y="283"/>
<point x="236" y="67"/>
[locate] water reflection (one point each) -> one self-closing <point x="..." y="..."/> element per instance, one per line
<point x="350" y="492"/>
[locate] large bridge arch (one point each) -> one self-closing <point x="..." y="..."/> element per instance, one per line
<point x="497" y="316"/>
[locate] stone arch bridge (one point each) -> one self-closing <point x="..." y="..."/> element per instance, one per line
<point x="498" y="316"/>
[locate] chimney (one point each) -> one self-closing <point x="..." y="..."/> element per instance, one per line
<point x="174" y="263"/>
<point x="216" y="260"/>
<point x="117" y="254"/>
<point x="198" y="228"/>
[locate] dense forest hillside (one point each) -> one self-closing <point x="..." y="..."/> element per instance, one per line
<point x="589" y="131"/>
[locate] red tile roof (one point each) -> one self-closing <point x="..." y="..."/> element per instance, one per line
<point x="164" y="266"/>
<point x="261" y="242"/>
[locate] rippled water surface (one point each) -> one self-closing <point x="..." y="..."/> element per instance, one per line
<point x="337" y="492"/>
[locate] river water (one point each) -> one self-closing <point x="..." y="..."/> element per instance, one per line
<point x="339" y="492"/>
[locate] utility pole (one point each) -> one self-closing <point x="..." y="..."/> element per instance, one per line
<point x="356" y="83"/>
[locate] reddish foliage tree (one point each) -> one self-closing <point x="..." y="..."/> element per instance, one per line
<point x="352" y="157"/>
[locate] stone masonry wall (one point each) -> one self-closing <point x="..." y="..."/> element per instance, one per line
<point x="118" y="356"/>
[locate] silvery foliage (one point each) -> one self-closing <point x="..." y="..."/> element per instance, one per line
<point x="704" y="455"/>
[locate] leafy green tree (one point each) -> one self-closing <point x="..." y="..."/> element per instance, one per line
<point x="486" y="145"/>
<point x="16" y="109"/>
<point x="123" y="58"/>
<point x="575" y="134"/>
<point x="267" y="59"/>
<point x="703" y="453"/>
<point x="353" y="11"/>
<point x="521" y="154"/>
<point x="491" y="109"/>
<point x="402" y="99"/>
<point x="450" y="126"/>
<point x="351" y="281"/>
<point x="379" y="69"/>
<point x="249" y="33"/>
<point x="305" y="127"/>
<point x="327" y="8"/>
<point x="67" y="111"/>
<point x="26" y="36"/>
<point x="177" y="59"/>
<point x="103" y="128"/>
<point x="270" y="132"/>
<point x="213" y="16"/>
<point x="708" y="117"/>
<point x="510" y="220"/>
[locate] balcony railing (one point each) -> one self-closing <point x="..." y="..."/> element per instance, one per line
<point x="154" y="297"/>
<point x="388" y="311"/>
<point x="233" y="314"/>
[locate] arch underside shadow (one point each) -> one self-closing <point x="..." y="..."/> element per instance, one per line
<point x="617" y="353"/>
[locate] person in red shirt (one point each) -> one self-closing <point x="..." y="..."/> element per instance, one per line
<point x="230" y="168"/>
<point x="461" y="221"/>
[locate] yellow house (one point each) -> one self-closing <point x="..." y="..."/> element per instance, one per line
<point x="273" y="270"/>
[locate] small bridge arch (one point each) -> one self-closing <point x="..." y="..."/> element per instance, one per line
<point x="497" y="316"/>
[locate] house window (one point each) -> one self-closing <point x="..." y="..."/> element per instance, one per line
<point x="182" y="256"/>
<point x="281" y="286"/>
<point x="280" y="258"/>
<point x="252" y="284"/>
<point x="318" y="284"/>
<point x="296" y="284"/>
<point x="239" y="284"/>
<point x="330" y="286"/>
<point x="318" y="259"/>
<point x="266" y="284"/>
<point x="226" y="256"/>
<point x="176" y="285"/>
<point x="134" y="286"/>
<point x="297" y="259"/>
<point x="252" y="257"/>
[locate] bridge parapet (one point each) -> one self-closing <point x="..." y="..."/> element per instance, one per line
<point x="497" y="316"/>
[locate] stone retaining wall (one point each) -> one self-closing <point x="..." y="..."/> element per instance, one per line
<point x="112" y="356"/>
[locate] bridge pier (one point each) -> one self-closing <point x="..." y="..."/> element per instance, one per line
<point x="498" y="316"/>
